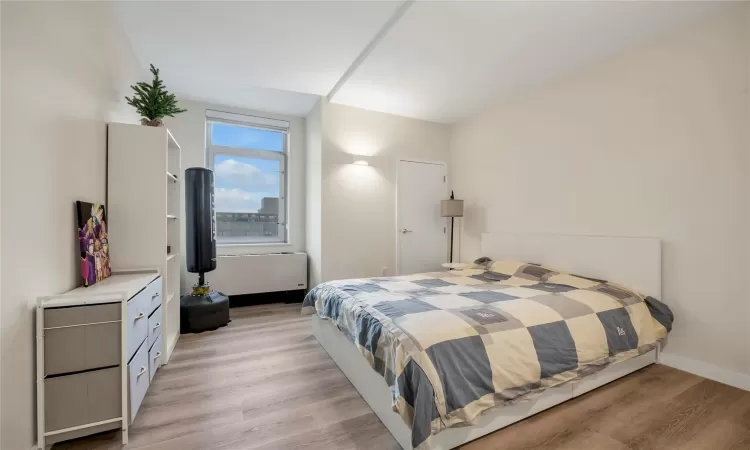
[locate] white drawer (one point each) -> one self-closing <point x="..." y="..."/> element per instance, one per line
<point x="154" y="292"/>
<point x="155" y="359"/>
<point x="138" y="379"/>
<point x="154" y="326"/>
<point x="138" y="309"/>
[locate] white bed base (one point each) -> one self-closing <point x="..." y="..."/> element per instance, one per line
<point x="373" y="389"/>
<point x="634" y="262"/>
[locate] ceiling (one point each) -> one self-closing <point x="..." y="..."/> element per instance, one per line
<point x="440" y="61"/>
<point x="273" y="56"/>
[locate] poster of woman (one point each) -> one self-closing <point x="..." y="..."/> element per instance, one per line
<point x="92" y="242"/>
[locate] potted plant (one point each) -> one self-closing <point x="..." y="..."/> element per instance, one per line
<point x="153" y="102"/>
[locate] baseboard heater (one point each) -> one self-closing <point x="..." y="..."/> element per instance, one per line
<point x="255" y="279"/>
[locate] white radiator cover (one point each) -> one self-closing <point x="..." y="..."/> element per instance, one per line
<point x="253" y="274"/>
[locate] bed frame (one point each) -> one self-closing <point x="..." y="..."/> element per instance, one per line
<point x="633" y="262"/>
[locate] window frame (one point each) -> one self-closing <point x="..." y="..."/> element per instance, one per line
<point x="245" y="152"/>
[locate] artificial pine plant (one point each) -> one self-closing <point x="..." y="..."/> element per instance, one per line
<point x="153" y="102"/>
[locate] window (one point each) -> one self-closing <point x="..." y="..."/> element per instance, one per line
<point x="249" y="157"/>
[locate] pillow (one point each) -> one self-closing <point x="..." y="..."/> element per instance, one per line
<point x="537" y="273"/>
<point x="511" y="267"/>
<point x="481" y="263"/>
<point x="507" y="267"/>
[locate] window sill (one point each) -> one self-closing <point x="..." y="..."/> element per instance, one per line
<point x="252" y="249"/>
<point x="254" y="244"/>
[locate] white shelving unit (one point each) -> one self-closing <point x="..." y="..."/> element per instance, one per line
<point x="143" y="202"/>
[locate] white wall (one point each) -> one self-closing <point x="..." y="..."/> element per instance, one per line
<point x="652" y="142"/>
<point x="1" y="241"/>
<point x="189" y="129"/>
<point x="359" y="202"/>
<point x="313" y="182"/>
<point x="747" y="123"/>
<point x="66" y="68"/>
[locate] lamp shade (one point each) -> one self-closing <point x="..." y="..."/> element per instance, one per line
<point x="452" y="208"/>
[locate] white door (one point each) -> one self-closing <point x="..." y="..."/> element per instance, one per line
<point x="422" y="242"/>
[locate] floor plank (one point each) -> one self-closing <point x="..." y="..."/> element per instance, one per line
<point x="264" y="383"/>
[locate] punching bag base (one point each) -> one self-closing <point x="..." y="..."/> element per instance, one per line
<point x="200" y="313"/>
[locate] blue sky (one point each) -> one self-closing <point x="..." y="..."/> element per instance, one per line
<point x="236" y="136"/>
<point x="241" y="182"/>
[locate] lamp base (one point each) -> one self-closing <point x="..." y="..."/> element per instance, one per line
<point x="451" y="257"/>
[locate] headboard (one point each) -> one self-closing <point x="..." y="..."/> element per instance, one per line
<point x="632" y="262"/>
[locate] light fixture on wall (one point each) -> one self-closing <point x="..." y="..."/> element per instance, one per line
<point x="452" y="208"/>
<point x="359" y="160"/>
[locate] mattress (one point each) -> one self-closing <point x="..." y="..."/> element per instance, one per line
<point x="451" y="345"/>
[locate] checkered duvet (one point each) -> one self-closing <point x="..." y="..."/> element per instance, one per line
<point x="453" y="344"/>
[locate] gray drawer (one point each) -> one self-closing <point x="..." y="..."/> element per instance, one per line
<point x="78" y="399"/>
<point x="79" y="315"/>
<point x="137" y="323"/>
<point x="138" y="379"/>
<point x="155" y="359"/>
<point x="154" y="326"/>
<point x="155" y="293"/>
<point x="76" y="348"/>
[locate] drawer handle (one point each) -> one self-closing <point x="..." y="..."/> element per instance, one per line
<point x="140" y="316"/>
<point x="158" y="324"/>
<point x="157" y="355"/>
<point x="141" y="372"/>
<point x="154" y="296"/>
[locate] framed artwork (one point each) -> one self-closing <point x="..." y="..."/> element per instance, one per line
<point x="92" y="242"/>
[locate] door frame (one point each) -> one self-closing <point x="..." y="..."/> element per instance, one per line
<point x="398" y="219"/>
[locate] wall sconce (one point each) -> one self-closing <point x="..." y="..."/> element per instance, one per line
<point x="359" y="160"/>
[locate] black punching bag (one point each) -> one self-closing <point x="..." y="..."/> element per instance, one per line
<point x="203" y="309"/>
<point x="201" y="220"/>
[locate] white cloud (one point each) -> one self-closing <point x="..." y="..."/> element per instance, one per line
<point x="245" y="176"/>
<point x="235" y="200"/>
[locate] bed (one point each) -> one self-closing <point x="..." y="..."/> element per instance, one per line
<point x="459" y="354"/>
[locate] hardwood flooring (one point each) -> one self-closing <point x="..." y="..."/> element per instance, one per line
<point x="263" y="382"/>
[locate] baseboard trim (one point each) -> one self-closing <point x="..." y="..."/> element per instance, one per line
<point x="706" y="370"/>
<point x="265" y="298"/>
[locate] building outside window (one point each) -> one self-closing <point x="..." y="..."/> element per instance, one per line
<point x="249" y="158"/>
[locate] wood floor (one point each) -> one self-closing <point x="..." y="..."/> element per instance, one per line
<point x="263" y="382"/>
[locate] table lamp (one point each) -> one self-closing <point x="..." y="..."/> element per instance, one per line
<point x="452" y="208"/>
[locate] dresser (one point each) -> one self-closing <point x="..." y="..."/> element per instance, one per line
<point x="98" y="349"/>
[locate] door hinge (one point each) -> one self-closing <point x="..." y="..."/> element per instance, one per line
<point x="443" y="178"/>
<point x="443" y="230"/>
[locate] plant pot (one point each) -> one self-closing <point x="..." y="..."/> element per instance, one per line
<point x="152" y="122"/>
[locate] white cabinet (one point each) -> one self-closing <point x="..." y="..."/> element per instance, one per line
<point x="144" y="174"/>
<point x="95" y="355"/>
